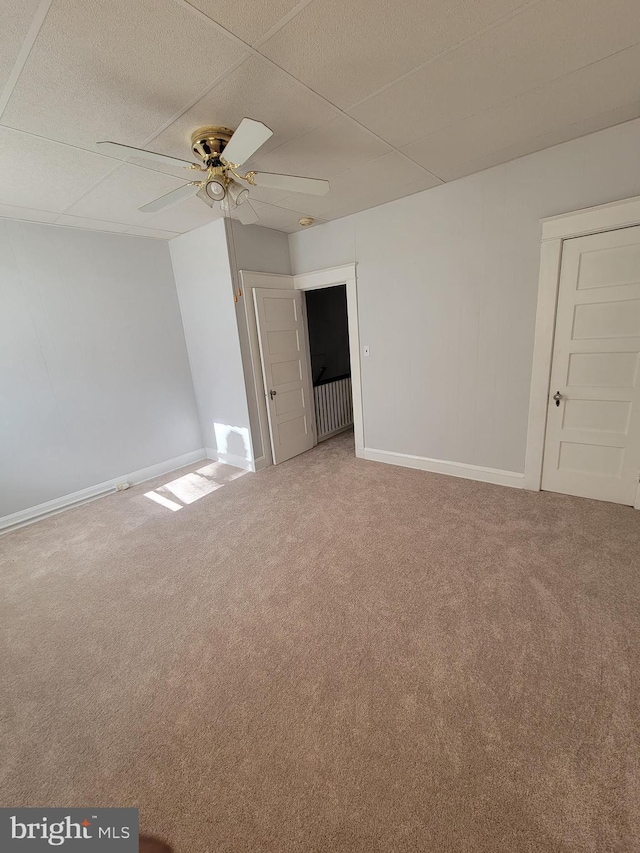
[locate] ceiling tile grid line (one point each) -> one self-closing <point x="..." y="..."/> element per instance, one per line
<point x="29" y="42"/>
<point x="537" y="144"/>
<point x="526" y="92"/>
<point x="282" y="22"/>
<point x="160" y="93"/>
<point x="149" y="140"/>
<point x="202" y="94"/>
<point x="252" y="50"/>
<point x="37" y="25"/>
<point x="25" y="50"/>
<point x="492" y="26"/>
<point x="227" y="34"/>
<point x="198" y="13"/>
<point x="299" y="8"/>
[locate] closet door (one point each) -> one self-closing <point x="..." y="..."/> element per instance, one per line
<point x="592" y="445"/>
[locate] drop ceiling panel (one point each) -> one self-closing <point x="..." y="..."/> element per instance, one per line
<point x="483" y="82"/>
<point x="547" y="140"/>
<point x="118" y="197"/>
<point x="375" y="179"/>
<point x="374" y="198"/>
<point x="538" y="45"/>
<point x="335" y="147"/>
<point x="277" y="218"/>
<point x="189" y="214"/>
<point x="256" y="89"/>
<point x="346" y="51"/>
<point x="248" y="19"/>
<point x="554" y="107"/>
<point x="117" y="70"/>
<point x="17" y="16"/>
<point x="45" y="175"/>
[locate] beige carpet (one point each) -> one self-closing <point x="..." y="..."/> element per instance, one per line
<point x="331" y="655"/>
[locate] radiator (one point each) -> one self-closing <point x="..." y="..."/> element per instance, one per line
<point x="334" y="407"/>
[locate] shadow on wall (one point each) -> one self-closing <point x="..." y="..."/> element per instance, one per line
<point x="232" y="442"/>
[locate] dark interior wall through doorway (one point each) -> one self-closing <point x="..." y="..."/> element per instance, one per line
<point x="328" y="333"/>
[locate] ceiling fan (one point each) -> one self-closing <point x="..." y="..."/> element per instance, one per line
<point x="222" y="152"/>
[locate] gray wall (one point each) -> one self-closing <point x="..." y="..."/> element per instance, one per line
<point x="254" y="249"/>
<point x="447" y="288"/>
<point x="259" y="249"/>
<point x="94" y="377"/>
<point x="205" y="289"/>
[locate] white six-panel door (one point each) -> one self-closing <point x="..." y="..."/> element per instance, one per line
<point x="592" y="445"/>
<point x="281" y="335"/>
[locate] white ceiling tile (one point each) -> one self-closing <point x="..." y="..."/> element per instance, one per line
<point x="336" y="146"/>
<point x="376" y="198"/>
<point x="186" y="216"/>
<point x="10" y="212"/>
<point x="524" y="76"/>
<point x="118" y="71"/>
<point x="116" y="227"/>
<point x="248" y="19"/>
<point x="537" y="45"/>
<point x="277" y="218"/>
<point x="379" y="178"/>
<point x="256" y="89"/>
<point x="268" y="196"/>
<point x="118" y="197"/>
<point x="45" y="175"/>
<point x="628" y="112"/>
<point x="17" y="16"/>
<point x="587" y="93"/>
<point x="345" y="51"/>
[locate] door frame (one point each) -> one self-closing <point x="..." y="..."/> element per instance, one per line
<point x="329" y="277"/>
<point x="555" y="230"/>
<point x="333" y="277"/>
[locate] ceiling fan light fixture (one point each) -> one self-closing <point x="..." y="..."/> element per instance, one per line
<point x="215" y="188"/>
<point x="238" y="193"/>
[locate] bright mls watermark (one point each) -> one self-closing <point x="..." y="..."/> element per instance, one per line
<point x="73" y="830"/>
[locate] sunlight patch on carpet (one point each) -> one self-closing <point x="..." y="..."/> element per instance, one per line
<point x="191" y="487"/>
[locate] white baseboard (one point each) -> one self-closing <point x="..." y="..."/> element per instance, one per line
<point x="453" y="469"/>
<point x="35" y="513"/>
<point x="231" y="459"/>
<point x="335" y="432"/>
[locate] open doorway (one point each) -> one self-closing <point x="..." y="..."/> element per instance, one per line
<point x="281" y="378"/>
<point x="328" y="335"/>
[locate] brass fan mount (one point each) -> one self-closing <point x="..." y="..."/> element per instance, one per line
<point x="208" y="143"/>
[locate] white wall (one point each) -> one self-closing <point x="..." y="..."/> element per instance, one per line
<point x="205" y="289"/>
<point x="259" y="249"/>
<point x="447" y="287"/>
<point x="94" y="377"/>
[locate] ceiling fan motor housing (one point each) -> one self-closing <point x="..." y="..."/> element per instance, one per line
<point x="208" y="143"/>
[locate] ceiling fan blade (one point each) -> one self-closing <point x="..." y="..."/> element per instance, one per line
<point x="292" y="183"/>
<point x="127" y="151"/>
<point x="249" y="136"/>
<point x="169" y="199"/>
<point x="246" y="214"/>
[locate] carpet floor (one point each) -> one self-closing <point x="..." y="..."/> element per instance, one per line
<point x="330" y="655"/>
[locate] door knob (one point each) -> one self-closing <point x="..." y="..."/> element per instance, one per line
<point x="272" y="394"/>
<point x="557" y="397"/>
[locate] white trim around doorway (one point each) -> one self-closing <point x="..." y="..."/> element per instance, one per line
<point x="332" y="277"/>
<point x="555" y="230"/>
